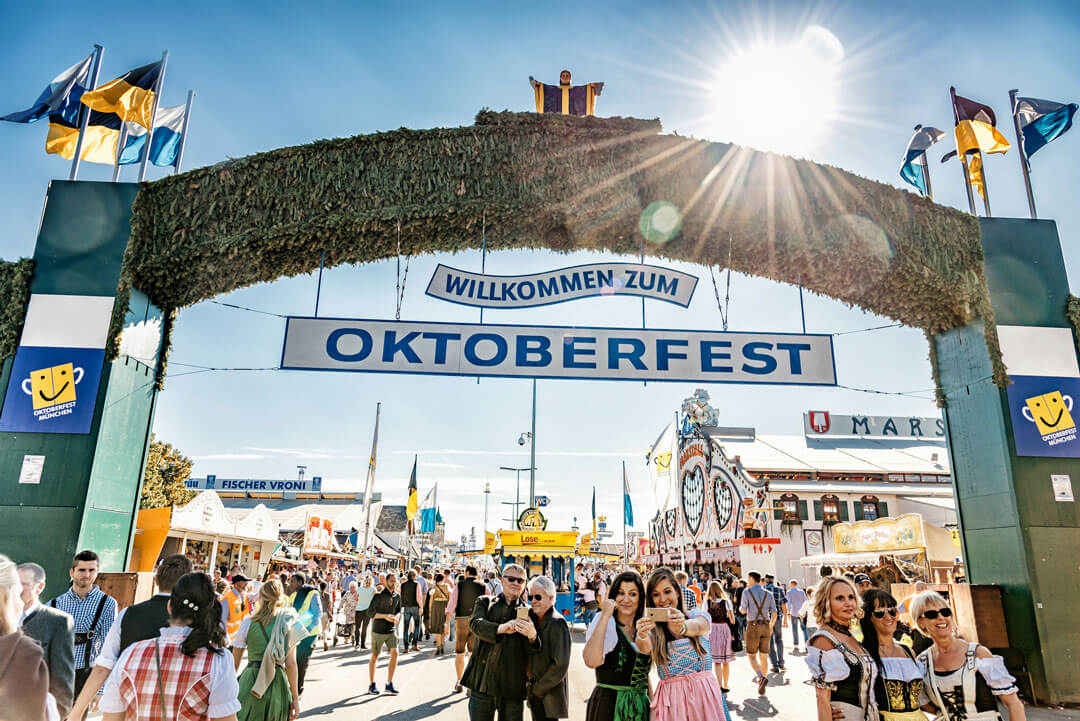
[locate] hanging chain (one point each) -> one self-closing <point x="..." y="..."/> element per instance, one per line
<point x="725" y="307"/>
<point x="400" y="287"/>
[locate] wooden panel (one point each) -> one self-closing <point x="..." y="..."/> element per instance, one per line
<point x="127" y="588"/>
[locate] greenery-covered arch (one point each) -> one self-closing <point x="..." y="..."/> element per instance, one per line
<point x="563" y="183"/>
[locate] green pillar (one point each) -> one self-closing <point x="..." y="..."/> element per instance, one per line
<point x="1015" y="533"/>
<point x="89" y="486"/>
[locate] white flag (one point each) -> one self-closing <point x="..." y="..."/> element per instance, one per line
<point x="663" y="469"/>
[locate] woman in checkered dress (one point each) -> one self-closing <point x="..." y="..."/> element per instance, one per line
<point x="184" y="674"/>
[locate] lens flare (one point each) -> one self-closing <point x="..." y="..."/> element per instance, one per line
<point x="660" y="222"/>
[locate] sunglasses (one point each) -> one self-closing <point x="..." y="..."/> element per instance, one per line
<point x="513" y="579"/>
<point x="536" y="597"/>
<point x="880" y="613"/>
<point x="932" y="614"/>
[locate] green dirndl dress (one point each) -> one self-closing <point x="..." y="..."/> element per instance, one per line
<point x="276" y="701"/>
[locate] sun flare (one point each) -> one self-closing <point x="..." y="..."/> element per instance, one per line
<point x="780" y="97"/>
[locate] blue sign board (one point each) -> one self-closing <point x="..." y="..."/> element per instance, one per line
<point x="316" y="483"/>
<point x="52" y="390"/>
<point x="211" y="481"/>
<point x="542" y="501"/>
<point x="1042" y="410"/>
<point x="254" y="485"/>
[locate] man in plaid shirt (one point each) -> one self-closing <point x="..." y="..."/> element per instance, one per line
<point x="93" y="610"/>
<point x="776" y="645"/>
<point x="689" y="599"/>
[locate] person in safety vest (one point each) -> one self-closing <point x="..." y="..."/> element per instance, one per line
<point x="235" y="605"/>
<point x="305" y="600"/>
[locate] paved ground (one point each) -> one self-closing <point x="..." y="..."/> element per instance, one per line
<point x="337" y="685"/>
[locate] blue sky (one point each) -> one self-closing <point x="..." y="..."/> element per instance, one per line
<point x="272" y="74"/>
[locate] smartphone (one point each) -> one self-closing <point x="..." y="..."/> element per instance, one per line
<point x="523" y="613"/>
<point x="658" y="615"/>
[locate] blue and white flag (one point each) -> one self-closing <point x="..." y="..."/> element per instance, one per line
<point x="164" y="145"/>
<point x="60" y="97"/>
<point x="628" y="508"/>
<point x="912" y="170"/>
<point x="1042" y="121"/>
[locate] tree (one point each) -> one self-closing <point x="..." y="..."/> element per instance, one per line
<point x="166" y="471"/>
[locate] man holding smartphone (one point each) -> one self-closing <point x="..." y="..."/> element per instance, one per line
<point x="496" y="672"/>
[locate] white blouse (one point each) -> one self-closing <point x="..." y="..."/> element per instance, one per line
<point x="224" y="689"/>
<point x="611" y="634"/>
<point x="900" y="668"/>
<point x="828" y="666"/>
<point x="997" y="677"/>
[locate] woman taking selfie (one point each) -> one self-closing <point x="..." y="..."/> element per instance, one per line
<point x="618" y="646"/>
<point x="184" y="673"/>
<point x="899" y="689"/>
<point x="963" y="679"/>
<point x="688" y="690"/>
<point x="268" y="685"/>
<point x="840" y="668"/>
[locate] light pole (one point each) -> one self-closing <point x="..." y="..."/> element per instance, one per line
<point x="517" y="501"/>
<point x="300" y="470"/>
<point x="487" y="493"/>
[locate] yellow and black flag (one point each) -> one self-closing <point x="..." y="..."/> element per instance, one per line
<point x="975" y="127"/>
<point x="130" y="96"/>
<point x="99" y="141"/>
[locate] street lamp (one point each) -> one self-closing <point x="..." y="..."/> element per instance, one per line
<point x="517" y="502"/>
<point x="300" y="471"/>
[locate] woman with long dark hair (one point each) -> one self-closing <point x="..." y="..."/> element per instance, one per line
<point x="899" y="687"/>
<point x="688" y="690"/>
<point x="185" y="672"/>
<point x="841" y="670"/>
<point x="618" y="647"/>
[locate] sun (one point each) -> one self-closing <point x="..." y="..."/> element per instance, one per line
<point x="779" y="96"/>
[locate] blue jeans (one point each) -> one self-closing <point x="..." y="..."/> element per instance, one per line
<point x="776" y="643"/>
<point x="589" y="615"/>
<point x="410" y="615"/>
<point x="797" y="621"/>
<point x="483" y="708"/>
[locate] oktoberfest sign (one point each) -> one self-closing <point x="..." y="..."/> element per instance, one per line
<point x="1043" y="415"/>
<point x="380" y="346"/>
<point x="557" y="286"/>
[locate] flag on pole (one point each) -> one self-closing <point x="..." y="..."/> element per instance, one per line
<point x="99" y="141"/>
<point x="165" y="143"/>
<point x="412" y="506"/>
<point x="427" y="513"/>
<point x="594" y="511"/>
<point x="60" y="97"/>
<point x="975" y="128"/>
<point x="1042" y="121"/>
<point x="912" y="168"/>
<point x="663" y="462"/>
<point x="628" y="508"/>
<point x="131" y="96"/>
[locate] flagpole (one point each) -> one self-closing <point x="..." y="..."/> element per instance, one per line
<point x="153" y="115"/>
<point x="184" y="131"/>
<point x="84" y="111"/>
<point x="985" y="185"/>
<point x="963" y="159"/>
<point x="1025" y="166"/>
<point x="119" y="150"/>
<point x="624" y="490"/>
<point x="678" y="491"/>
<point x="926" y="170"/>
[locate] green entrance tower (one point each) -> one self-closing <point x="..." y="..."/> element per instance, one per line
<point x="1017" y="532"/>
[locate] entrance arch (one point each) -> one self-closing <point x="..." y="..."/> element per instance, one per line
<point x="537" y="181"/>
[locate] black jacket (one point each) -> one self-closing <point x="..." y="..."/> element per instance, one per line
<point x="497" y="664"/>
<point x="549" y="662"/>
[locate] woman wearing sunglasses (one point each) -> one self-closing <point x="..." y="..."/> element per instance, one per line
<point x="840" y="668"/>
<point x="899" y="689"/>
<point x="963" y="679"/>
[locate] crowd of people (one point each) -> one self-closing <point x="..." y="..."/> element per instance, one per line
<point x="661" y="646"/>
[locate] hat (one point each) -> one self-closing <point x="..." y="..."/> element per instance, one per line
<point x="862" y="578"/>
<point x="770" y="577"/>
<point x="239" y="577"/>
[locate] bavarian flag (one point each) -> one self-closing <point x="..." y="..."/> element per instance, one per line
<point x="61" y="96"/>
<point x="99" y="141"/>
<point x="131" y="96"/>
<point x="165" y="143"/>
<point x="912" y="169"/>
<point x="975" y="129"/>
<point x="1042" y="121"/>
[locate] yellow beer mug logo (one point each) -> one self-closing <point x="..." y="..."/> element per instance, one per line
<point x="663" y="462"/>
<point x="52" y="386"/>
<point x="1050" y="412"/>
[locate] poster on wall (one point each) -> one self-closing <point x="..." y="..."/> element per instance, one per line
<point x="319" y="534"/>
<point x="1041" y="409"/>
<point x="813" y="541"/>
<point x="52" y="390"/>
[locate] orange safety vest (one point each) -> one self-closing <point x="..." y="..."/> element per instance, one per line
<point x="238" y="610"/>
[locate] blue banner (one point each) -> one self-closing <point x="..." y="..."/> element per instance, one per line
<point x="52" y="390"/>
<point x="1042" y="408"/>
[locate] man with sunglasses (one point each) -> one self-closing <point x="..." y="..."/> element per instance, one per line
<point x="549" y="649"/>
<point x="497" y="668"/>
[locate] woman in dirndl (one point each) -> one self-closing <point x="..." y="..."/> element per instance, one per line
<point x="617" y="646"/>
<point x="840" y="668"/>
<point x="688" y="690"/>
<point x="268" y="684"/>
<point x="964" y="680"/>
<point x="899" y="690"/>
<point x="722" y="616"/>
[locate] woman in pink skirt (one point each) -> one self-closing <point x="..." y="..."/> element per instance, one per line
<point x="688" y="691"/>
<point x="721" y="615"/>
